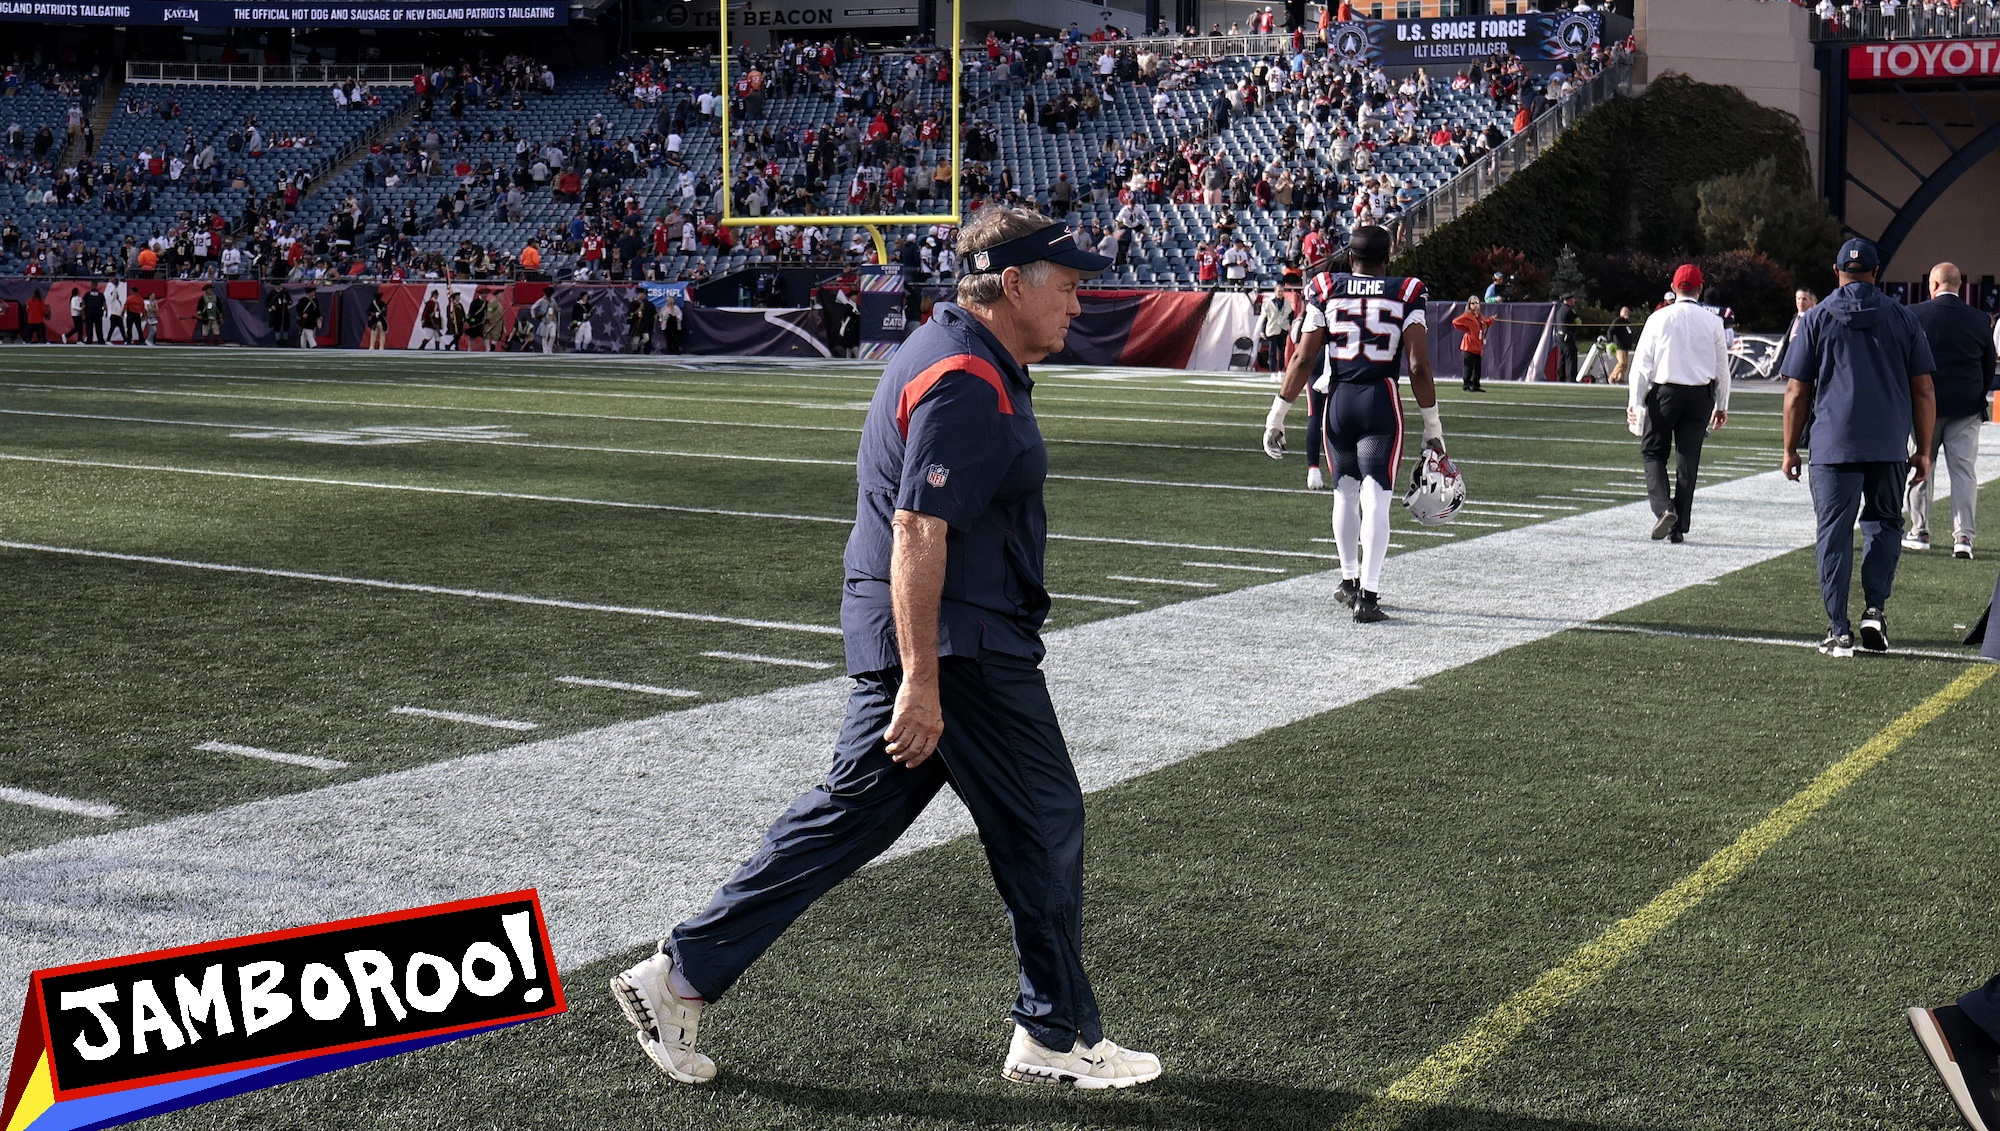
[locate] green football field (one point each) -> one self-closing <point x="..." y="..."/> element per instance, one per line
<point x="367" y="564"/>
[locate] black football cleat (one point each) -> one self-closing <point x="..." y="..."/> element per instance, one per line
<point x="1368" y="607"/>
<point x="1349" y="589"/>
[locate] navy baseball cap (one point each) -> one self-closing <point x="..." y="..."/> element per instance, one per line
<point x="1857" y="257"/>
<point x="1055" y="243"/>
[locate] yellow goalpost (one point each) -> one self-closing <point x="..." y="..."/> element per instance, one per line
<point x="874" y="224"/>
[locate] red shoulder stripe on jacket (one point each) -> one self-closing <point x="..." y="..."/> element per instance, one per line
<point x="1410" y="288"/>
<point x="922" y="383"/>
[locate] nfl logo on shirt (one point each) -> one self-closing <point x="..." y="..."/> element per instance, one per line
<point x="936" y="474"/>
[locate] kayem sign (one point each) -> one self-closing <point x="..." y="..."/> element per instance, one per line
<point x="1941" y="58"/>
<point x="109" y="1042"/>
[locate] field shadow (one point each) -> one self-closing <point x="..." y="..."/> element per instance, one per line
<point x="1177" y="1101"/>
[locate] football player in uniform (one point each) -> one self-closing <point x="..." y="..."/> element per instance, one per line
<point x="1359" y="326"/>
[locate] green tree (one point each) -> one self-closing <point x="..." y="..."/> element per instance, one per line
<point x="1762" y="209"/>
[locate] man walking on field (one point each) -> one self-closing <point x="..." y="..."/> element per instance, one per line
<point x="1680" y="392"/>
<point x="942" y="612"/>
<point x="1860" y="373"/>
<point x="1962" y="345"/>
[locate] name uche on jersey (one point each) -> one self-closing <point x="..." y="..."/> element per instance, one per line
<point x="1365" y="317"/>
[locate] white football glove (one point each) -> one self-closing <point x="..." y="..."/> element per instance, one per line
<point x="1274" y="428"/>
<point x="1433" y="428"/>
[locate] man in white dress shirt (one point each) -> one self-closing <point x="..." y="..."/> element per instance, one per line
<point x="1680" y="389"/>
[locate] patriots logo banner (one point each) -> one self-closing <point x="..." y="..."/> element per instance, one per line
<point x="109" y="1042"/>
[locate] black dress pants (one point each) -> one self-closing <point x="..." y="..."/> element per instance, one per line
<point x="1677" y="423"/>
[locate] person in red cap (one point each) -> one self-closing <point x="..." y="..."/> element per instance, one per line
<point x="1680" y="391"/>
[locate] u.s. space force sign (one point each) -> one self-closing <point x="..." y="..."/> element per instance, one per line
<point x="147" y="1033"/>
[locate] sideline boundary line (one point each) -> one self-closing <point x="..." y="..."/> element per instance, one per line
<point x="1466" y="1056"/>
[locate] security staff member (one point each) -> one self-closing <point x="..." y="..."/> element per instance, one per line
<point x="1680" y="388"/>
<point x="942" y="610"/>
<point x="1860" y="373"/>
<point x="1962" y="345"/>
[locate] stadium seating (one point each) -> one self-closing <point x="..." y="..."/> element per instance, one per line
<point x="207" y="116"/>
<point x="1166" y="257"/>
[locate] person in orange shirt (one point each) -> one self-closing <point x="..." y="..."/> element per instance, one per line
<point x="531" y="259"/>
<point x="1521" y="118"/>
<point x="1472" y="347"/>
<point x="148" y="260"/>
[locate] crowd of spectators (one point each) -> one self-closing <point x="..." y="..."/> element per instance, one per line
<point x="875" y="142"/>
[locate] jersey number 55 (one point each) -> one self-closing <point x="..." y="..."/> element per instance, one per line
<point x="1358" y="328"/>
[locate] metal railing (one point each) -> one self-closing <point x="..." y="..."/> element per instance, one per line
<point x="1452" y="199"/>
<point x="1912" y="20"/>
<point x="252" y="74"/>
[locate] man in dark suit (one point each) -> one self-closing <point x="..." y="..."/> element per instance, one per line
<point x="1566" y="327"/>
<point x="93" y="315"/>
<point x="1962" y="342"/>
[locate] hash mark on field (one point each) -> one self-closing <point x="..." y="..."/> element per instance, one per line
<point x="778" y="661"/>
<point x="1418" y="533"/>
<point x="1160" y="581"/>
<point x="306" y="760"/>
<point x="1620" y="493"/>
<point x="54" y="804"/>
<point x="463" y="717"/>
<point x="1239" y="568"/>
<point x="616" y="685"/>
<point x="1099" y="600"/>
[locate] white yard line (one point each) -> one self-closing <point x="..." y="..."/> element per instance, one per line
<point x="1635" y="630"/>
<point x="321" y="481"/>
<point x="464" y="717"/>
<point x="754" y="425"/>
<point x="1160" y="581"/>
<point x="1098" y="600"/>
<point x="620" y="685"/>
<point x="437" y="590"/>
<point x="35" y="799"/>
<point x="616" y="866"/>
<point x="774" y="661"/>
<point x="1238" y="568"/>
<point x="258" y="752"/>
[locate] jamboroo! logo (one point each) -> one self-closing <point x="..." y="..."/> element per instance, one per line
<point x="109" y="1041"/>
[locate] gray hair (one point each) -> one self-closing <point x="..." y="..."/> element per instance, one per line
<point x="994" y="225"/>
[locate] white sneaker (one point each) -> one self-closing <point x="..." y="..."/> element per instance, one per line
<point x="1962" y="548"/>
<point x="666" y="1021"/>
<point x="1102" y="1065"/>
<point x="1916" y="541"/>
<point x="1315" y="479"/>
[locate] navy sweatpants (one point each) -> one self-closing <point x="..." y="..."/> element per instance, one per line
<point x="1004" y="755"/>
<point x="1874" y="491"/>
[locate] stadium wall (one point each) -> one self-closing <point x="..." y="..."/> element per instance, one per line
<point x="1761" y="49"/>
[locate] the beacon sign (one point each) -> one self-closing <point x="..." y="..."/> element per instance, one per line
<point x="1932" y="59"/>
<point x="109" y="1042"/>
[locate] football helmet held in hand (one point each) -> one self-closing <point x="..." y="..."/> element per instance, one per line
<point x="1437" y="489"/>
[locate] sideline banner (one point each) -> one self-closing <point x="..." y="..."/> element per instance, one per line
<point x="321" y="13"/>
<point x="1534" y="36"/>
<point x="109" y="1042"/>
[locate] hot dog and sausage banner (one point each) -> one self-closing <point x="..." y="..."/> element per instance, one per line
<point x="108" y="1042"/>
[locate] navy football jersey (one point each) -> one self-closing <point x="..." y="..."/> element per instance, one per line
<point x="1365" y="318"/>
